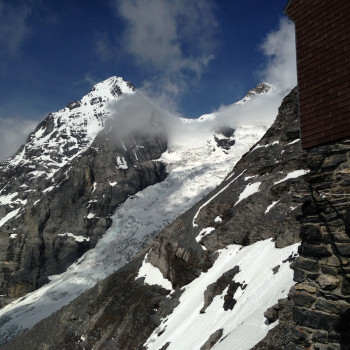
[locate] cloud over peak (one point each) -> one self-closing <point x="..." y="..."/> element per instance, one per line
<point x="169" y="35"/>
<point x="279" y="48"/>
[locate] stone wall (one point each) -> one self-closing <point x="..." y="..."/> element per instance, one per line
<point x="316" y="314"/>
<point x="321" y="297"/>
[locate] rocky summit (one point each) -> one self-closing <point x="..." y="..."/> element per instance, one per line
<point x="237" y="241"/>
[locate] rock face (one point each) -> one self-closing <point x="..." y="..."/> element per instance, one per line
<point x="72" y="158"/>
<point x="275" y="192"/>
<point x="316" y="314"/>
<point x="261" y="199"/>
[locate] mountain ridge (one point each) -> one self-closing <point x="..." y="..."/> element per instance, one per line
<point x="184" y="251"/>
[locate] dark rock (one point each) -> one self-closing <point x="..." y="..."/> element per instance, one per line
<point x="272" y="313"/>
<point x="342" y="328"/>
<point x="328" y="282"/>
<point x="311" y="234"/>
<point x="276" y="269"/>
<point x="213" y="339"/>
<point x="74" y="105"/>
<point x="329" y="270"/>
<point x="303" y="299"/>
<point x="320" y="336"/>
<point x="299" y="275"/>
<point x="314" y="319"/>
<point x="229" y="301"/>
<point x="344" y="249"/>
<point x="333" y="307"/>
<point x="309" y="208"/>
<point x="224" y="143"/>
<point x="314" y="251"/>
<point x="218" y="287"/>
<point x="307" y="264"/>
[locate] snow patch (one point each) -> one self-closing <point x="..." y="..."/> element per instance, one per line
<point x="8" y="199"/>
<point x="293" y="142"/>
<point x="77" y="238"/>
<point x="9" y="216"/>
<point x="271" y="206"/>
<point x="243" y="325"/>
<point x="248" y="191"/>
<point x="153" y="276"/>
<point x="293" y="175"/>
<point x="204" y="233"/>
<point x="218" y="219"/>
<point x="122" y="164"/>
<point x="48" y="189"/>
<point x="265" y="146"/>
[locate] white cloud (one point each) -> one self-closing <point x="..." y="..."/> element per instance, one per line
<point x="280" y="72"/>
<point x="279" y="48"/>
<point x="172" y="40"/>
<point x="13" y="133"/>
<point x="13" y="27"/>
<point x="169" y="35"/>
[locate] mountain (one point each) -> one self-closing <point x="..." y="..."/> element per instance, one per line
<point x="77" y="204"/>
<point x="190" y="261"/>
<point x="60" y="189"/>
<point x="241" y="242"/>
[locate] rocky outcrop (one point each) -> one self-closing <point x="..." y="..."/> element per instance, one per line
<point x="316" y="314"/>
<point x="262" y="198"/>
<point x="60" y="189"/>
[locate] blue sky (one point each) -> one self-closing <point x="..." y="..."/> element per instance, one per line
<point x="191" y="57"/>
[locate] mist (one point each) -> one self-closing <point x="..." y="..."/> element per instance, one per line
<point x="139" y="113"/>
<point x="13" y="133"/>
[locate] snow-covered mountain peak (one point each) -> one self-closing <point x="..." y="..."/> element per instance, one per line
<point x="55" y="143"/>
<point x="110" y="88"/>
<point x="260" y="89"/>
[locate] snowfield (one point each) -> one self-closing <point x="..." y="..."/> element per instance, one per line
<point x="194" y="169"/>
<point x="243" y="326"/>
<point x="193" y="173"/>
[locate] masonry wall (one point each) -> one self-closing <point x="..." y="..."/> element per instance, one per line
<point x="323" y="63"/>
